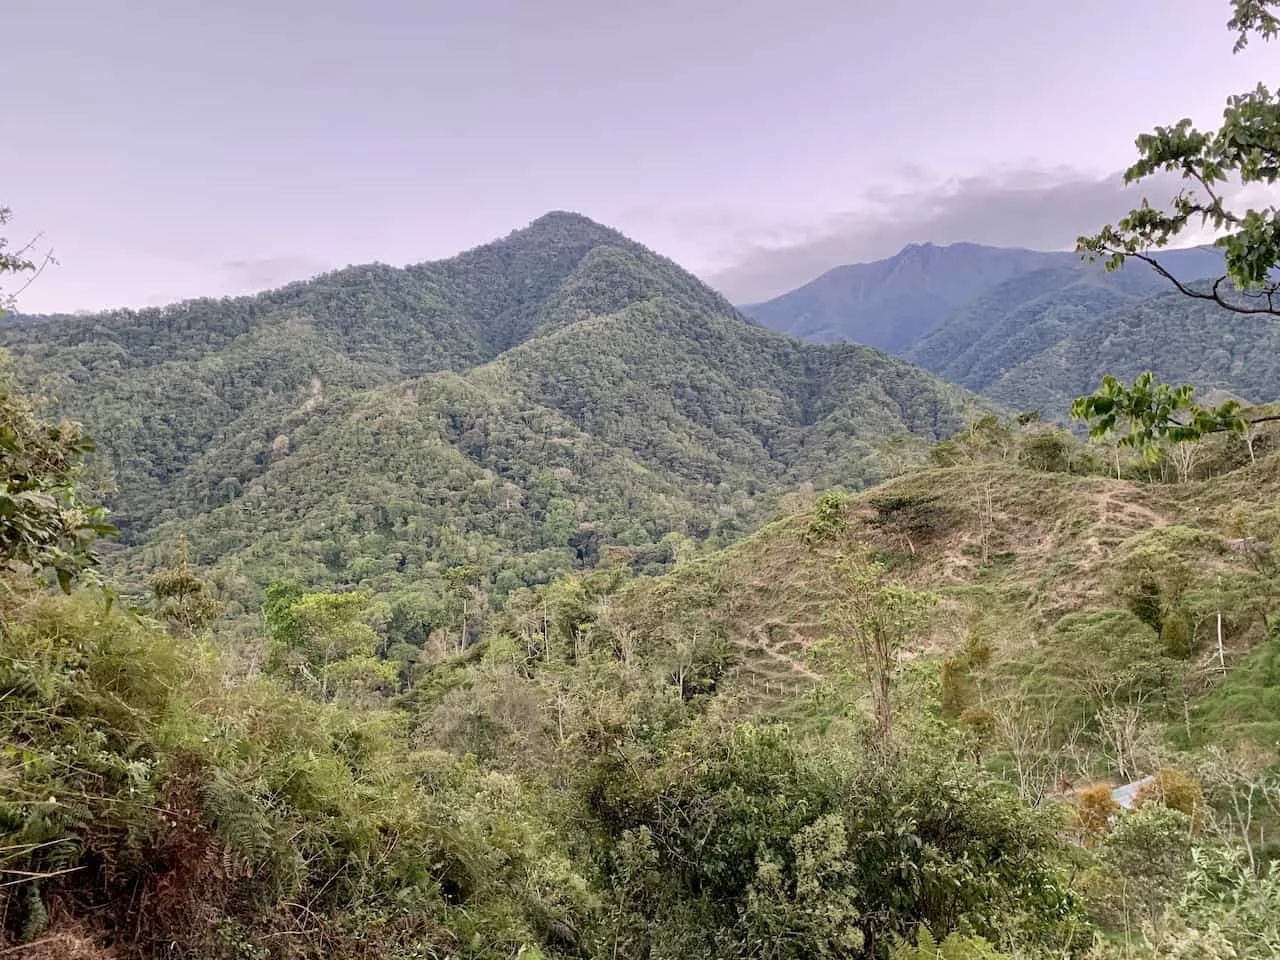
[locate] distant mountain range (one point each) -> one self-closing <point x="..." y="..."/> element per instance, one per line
<point x="1033" y="330"/>
<point x="892" y="304"/>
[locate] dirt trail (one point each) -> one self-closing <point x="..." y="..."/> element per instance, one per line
<point x="1115" y="510"/>
<point x="760" y="643"/>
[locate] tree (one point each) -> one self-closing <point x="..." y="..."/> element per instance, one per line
<point x="1246" y="150"/>
<point x="1095" y="809"/>
<point x="1176" y="790"/>
<point x="1024" y="728"/>
<point x="984" y="440"/>
<point x="877" y="620"/>
<point x="182" y="598"/>
<point x="45" y="528"/>
<point x="1152" y="848"/>
<point x="1243" y="786"/>
<point x="828" y="519"/>
<point x="18" y="262"/>
<point x="320" y="643"/>
<point x="1154" y="415"/>
<point x="463" y="587"/>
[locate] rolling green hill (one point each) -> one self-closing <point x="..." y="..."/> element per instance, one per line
<point x="515" y="409"/>
<point x="1018" y="554"/>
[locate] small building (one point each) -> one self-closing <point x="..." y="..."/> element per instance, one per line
<point x="1126" y="794"/>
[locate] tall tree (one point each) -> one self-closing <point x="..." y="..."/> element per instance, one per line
<point x="877" y="620"/>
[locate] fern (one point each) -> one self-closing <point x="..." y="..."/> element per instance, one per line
<point x="955" y="947"/>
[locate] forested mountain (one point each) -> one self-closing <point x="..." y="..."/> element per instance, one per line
<point x="1066" y="352"/>
<point x="888" y="304"/>
<point x="892" y="304"/>
<point x="215" y="363"/>
<point x="1035" y="330"/>
<point x="513" y="410"/>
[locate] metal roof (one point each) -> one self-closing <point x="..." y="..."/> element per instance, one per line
<point x="1127" y="793"/>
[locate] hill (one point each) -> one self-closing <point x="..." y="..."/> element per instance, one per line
<point x="164" y="384"/>
<point x="513" y="410"/>
<point x="892" y="304"/>
<point x="1058" y="348"/>
<point x="1062" y="579"/>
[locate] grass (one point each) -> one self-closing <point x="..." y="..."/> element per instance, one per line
<point x="1060" y="553"/>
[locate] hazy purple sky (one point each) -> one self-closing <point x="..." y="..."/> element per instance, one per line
<point x="171" y="148"/>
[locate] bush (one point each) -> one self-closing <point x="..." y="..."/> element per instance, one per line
<point x="1176" y="790"/>
<point x="142" y="793"/>
<point x="823" y="856"/>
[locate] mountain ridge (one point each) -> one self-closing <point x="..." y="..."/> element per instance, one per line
<point x="513" y="409"/>
<point x="893" y="303"/>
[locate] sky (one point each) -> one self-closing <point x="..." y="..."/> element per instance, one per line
<point x="174" y="148"/>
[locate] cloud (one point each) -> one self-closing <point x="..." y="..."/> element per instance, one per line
<point x="1043" y="209"/>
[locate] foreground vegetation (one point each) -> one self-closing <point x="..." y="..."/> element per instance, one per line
<point x="625" y="766"/>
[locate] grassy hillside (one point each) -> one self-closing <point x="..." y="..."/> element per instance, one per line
<point x="1032" y="563"/>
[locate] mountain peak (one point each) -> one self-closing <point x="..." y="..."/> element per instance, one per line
<point x="562" y="225"/>
<point x="565" y="218"/>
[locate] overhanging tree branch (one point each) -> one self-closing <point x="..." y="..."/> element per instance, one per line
<point x="1244" y="150"/>
<point x="1215" y="293"/>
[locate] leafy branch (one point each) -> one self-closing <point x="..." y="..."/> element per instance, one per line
<point x="19" y="261"/>
<point x="1244" y="150"/>
<point x="1154" y="413"/>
